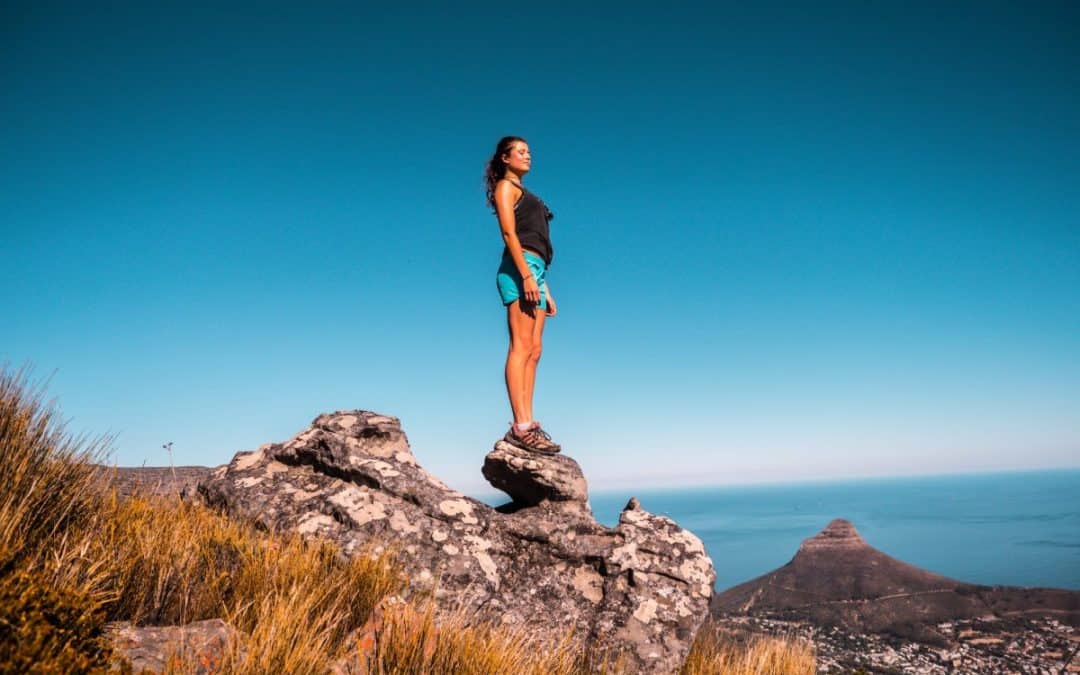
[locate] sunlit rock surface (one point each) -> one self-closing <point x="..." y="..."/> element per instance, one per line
<point x="641" y="588"/>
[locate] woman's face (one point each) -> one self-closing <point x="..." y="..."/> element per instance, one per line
<point x="518" y="158"/>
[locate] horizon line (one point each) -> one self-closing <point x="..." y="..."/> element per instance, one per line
<point x="826" y="480"/>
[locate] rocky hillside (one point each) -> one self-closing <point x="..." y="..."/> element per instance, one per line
<point x="542" y="562"/>
<point x="156" y="480"/>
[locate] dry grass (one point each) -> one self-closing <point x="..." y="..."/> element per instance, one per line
<point x="51" y="616"/>
<point x="48" y="629"/>
<point x="174" y="562"/>
<point x="412" y="641"/>
<point x="717" y="652"/>
<point x="73" y="556"/>
<point x="49" y="486"/>
<point x="171" y="562"/>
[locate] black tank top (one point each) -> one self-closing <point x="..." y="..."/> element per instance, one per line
<point x="531" y="216"/>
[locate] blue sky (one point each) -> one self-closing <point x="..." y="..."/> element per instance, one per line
<point x="792" y="241"/>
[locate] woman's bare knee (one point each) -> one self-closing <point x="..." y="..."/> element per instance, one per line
<point x="521" y="349"/>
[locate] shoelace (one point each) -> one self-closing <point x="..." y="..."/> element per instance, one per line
<point x="543" y="434"/>
<point x="524" y="435"/>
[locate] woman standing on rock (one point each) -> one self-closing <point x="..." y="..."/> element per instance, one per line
<point x="523" y="220"/>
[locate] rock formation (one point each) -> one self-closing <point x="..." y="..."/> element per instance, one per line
<point x="837" y="579"/>
<point x="641" y="588"/>
<point x="530" y="478"/>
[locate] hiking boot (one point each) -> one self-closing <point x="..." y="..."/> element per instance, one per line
<point x="546" y="437"/>
<point x="533" y="439"/>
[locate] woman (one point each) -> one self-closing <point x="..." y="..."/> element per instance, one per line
<point x="523" y="219"/>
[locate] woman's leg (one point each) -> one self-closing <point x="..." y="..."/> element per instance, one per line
<point x="521" y="318"/>
<point x="536" y="344"/>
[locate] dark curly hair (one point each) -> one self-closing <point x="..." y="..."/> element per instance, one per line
<point x="496" y="167"/>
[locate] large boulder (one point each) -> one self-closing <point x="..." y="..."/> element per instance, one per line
<point x="530" y="478"/>
<point x="641" y="589"/>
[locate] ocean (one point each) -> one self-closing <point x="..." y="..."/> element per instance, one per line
<point x="1016" y="529"/>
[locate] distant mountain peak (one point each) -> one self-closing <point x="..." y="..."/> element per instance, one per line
<point x="839" y="534"/>
<point x="837" y="579"/>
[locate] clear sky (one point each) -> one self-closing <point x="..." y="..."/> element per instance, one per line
<point x="793" y="241"/>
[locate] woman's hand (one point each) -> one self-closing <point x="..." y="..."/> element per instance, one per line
<point x="551" y="309"/>
<point x="531" y="289"/>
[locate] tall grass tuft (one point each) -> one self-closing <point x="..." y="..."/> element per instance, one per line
<point x="49" y="484"/>
<point x="294" y="600"/>
<point x="717" y="652"/>
<point x="51" y="591"/>
<point x="173" y="562"/>
<point x="412" y="641"/>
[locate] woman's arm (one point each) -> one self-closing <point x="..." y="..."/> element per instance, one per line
<point x="551" y="310"/>
<point x="504" y="207"/>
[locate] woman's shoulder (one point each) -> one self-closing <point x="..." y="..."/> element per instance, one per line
<point x="508" y="192"/>
<point x="504" y="182"/>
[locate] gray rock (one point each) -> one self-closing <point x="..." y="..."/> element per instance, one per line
<point x="529" y="478"/>
<point x="201" y="646"/>
<point x="641" y="588"/>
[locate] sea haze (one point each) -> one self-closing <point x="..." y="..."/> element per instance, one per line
<point x="1016" y="529"/>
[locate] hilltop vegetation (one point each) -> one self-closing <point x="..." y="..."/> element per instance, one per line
<point x="74" y="557"/>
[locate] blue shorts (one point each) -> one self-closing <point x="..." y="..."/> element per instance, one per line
<point x="509" y="280"/>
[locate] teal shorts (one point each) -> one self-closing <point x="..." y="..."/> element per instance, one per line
<point x="509" y="281"/>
